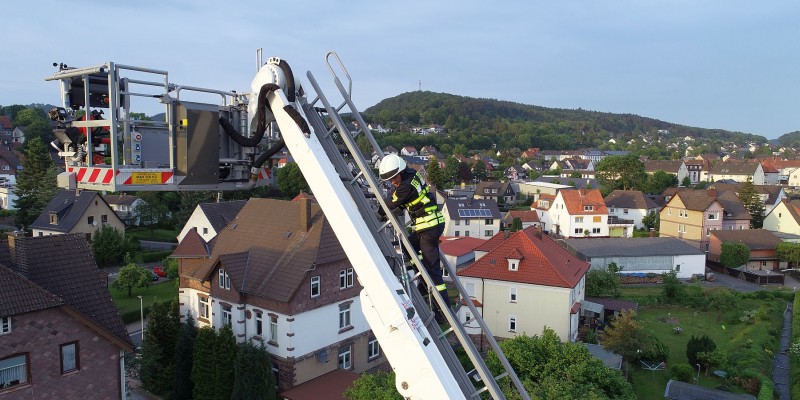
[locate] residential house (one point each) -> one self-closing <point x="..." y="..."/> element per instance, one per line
<point x="500" y="192"/>
<point x="761" y="243"/>
<point x="459" y="252"/>
<point x="737" y="171"/>
<point x="697" y="170"/>
<point x="579" y="213"/>
<point x="785" y="169"/>
<point x="735" y="216"/>
<point x="531" y="190"/>
<point x="569" y="166"/>
<point x="577" y="183"/>
<point x="6" y="127"/>
<point x="409" y="151"/>
<point x="630" y="204"/>
<point x="8" y="196"/>
<point x="657" y="255"/>
<point x="770" y="195"/>
<point x="691" y="215"/>
<point x="390" y="150"/>
<point x="516" y="172"/>
<point x="10" y="165"/>
<point x="784" y="220"/>
<point x="61" y="336"/>
<point x="18" y="135"/>
<point x="542" y="208"/>
<point x="125" y="207"/>
<point x="377" y="128"/>
<point x="595" y="155"/>
<point x="772" y="176"/>
<point x="530" y="153"/>
<point x="278" y="273"/>
<point x="471" y="217"/>
<point x="525" y="282"/>
<point x="527" y="218"/>
<point x="674" y="167"/>
<point x="70" y="212"/>
<point x="211" y="218"/>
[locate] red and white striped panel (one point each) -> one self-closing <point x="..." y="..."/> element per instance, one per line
<point x="264" y="173"/>
<point x="93" y="175"/>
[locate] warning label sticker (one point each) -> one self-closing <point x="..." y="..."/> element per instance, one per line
<point x="146" y="178"/>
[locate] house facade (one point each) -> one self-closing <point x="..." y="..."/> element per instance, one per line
<point x="737" y="171"/>
<point x="278" y="273"/>
<point x="523" y="283"/>
<point x="471" y="217"/>
<point x="630" y="204"/>
<point x="84" y="213"/>
<point x="60" y="334"/>
<point x="125" y="207"/>
<point x="674" y="167"/>
<point x="691" y="215"/>
<point x="500" y="192"/>
<point x="528" y="218"/>
<point x="579" y="213"/>
<point x="761" y="243"/>
<point x="784" y="218"/>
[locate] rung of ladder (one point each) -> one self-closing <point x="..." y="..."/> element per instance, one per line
<point x="501" y="376"/>
<point x="355" y="178"/>
<point x="445" y="332"/>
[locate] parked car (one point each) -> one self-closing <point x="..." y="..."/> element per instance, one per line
<point x="159" y="271"/>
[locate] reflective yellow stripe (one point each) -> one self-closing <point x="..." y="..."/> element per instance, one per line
<point x="441" y="287"/>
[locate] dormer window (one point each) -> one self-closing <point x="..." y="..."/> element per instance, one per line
<point x="53" y="219"/>
<point x="588" y="208"/>
<point x="513" y="264"/>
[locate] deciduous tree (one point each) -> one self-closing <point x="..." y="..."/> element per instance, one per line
<point x="131" y="276"/>
<point x="734" y="254"/>
<point x="377" y="386"/>
<point x="109" y="246"/>
<point x="619" y="172"/>
<point x="789" y="252"/>
<point x="291" y="180"/>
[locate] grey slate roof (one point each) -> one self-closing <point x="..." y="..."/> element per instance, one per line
<point x="221" y="214"/>
<point x="18" y="295"/>
<point x="69" y="207"/>
<point x="678" y="390"/>
<point x="123" y="200"/>
<point x="734" y="168"/>
<point x="632" y="199"/>
<point x="755" y="239"/>
<point x="631" y="247"/>
<point x="64" y="266"/>
<point x="734" y="209"/>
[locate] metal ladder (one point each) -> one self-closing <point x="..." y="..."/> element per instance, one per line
<point x="336" y="139"/>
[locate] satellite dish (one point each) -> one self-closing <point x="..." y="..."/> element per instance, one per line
<point x="94" y="223"/>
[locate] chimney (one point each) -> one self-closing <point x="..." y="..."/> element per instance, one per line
<point x="712" y="193"/>
<point x="305" y="214"/>
<point x="506" y="234"/>
<point x="652" y="232"/>
<point x="16" y="252"/>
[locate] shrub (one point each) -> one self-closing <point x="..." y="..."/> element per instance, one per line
<point x="698" y="345"/>
<point x="682" y="372"/>
<point x="748" y="317"/>
<point x="762" y="314"/>
<point x="766" y="392"/>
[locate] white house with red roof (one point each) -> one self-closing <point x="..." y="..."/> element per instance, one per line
<point x="459" y="251"/>
<point x="409" y="151"/>
<point x="579" y="213"/>
<point x="523" y="282"/>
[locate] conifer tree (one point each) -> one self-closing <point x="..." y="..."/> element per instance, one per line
<point x="224" y="363"/>
<point x="158" y="349"/>
<point x="203" y="364"/>
<point x="749" y="197"/>
<point x="182" y="385"/>
<point x="36" y="183"/>
<point x="435" y="174"/>
<point x="254" y="379"/>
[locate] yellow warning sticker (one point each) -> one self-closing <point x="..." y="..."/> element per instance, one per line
<point x="146" y="178"/>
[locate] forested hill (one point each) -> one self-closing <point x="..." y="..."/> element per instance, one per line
<point x="482" y="123"/>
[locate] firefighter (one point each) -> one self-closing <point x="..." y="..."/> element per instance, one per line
<point x="413" y="194"/>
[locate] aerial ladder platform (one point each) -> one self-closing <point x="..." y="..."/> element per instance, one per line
<point x="280" y="112"/>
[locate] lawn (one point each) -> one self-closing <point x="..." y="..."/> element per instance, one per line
<point x="129" y="306"/>
<point x="738" y="338"/>
<point x="161" y="235"/>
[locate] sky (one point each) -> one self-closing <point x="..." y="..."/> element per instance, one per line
<point x="727" y="64"/>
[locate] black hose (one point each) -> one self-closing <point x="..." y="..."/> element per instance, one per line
<point x="268" y="154"/>
<point x="287" y="72"/>
<point x="261" y="116"/>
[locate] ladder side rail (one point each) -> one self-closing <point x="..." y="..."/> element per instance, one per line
<point x="463" y="337"/>
<point x="460" y="330"/>
<point x="421" y="370"/>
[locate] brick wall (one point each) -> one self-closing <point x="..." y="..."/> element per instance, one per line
<point x="41" y="334"/>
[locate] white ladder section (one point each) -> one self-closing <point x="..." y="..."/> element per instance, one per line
<point x="421" y="355"/>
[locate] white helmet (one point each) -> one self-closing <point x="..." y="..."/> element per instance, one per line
<point x="391" y="165"/>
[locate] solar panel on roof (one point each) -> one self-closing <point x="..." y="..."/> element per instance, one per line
<point x="473" y="212"/>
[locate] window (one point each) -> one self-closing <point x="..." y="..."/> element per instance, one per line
<point x="625" y="211"/>
<point x="588" y="208"/>
<point x="596" y="230"/>
<point x="466" y="222"/>
<point x="345" y="357"/>
<point x="578" y="220"/>
<point x="678" y="268"/>
<point x="259" y="323"/>
<point x="763" y="263"/>
<point x="53" y="219"/>
<point x="708" y="231"/>
<point x="467" y="316"/>
<point x="488" y="232"/>
<point x="203" y="305"/>
<point x="315" y="286"/>
<point x="512" y="294"/>
<point x="466" y="233"/>
<point x="14" y="371"/>
<point x="224" y="279"/>
<point x="104" y="218"/>
<point x="458" y="222"/>
<point x="373" y="348"/>
<point x="669" y="211"/>
<point x="346" y="278"/>
<point x="489" y="221"/>
<point x="5" y="325"/>
<point x="458" y="233"/>
<point x="90" y="220"/>
<point x="578" y="231"/>
<point x="70" y="360"/>
<point x="227" y="315"/>
<point x="273" y="329"/>
<point x="205" y="231"/>
<point x="513" y="264"/>
<point x="712" y="215"/>
<point x="494" y="190"/>
<point x="512" y="323"/>
<point x="344" y="316"/>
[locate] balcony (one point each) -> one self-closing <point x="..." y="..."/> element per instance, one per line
<point x="617" y="221"/>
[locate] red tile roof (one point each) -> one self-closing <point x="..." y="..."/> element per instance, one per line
<point x="5" y="122"/>
<point x="192" y="246"/>
<point x="458" y="246"/>
<point x="543" y="261"/>
<point x="524" y="216"/>
<point x="577" y="199"/>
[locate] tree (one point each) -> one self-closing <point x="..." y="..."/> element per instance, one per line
<point x="660" y="181"/>
<point x="203" y="365"/>
<point x="516" y="224"/>
<point x="552" y="369"/>
<point x="254" y="379"/>
<point x="28" y="116"/>
<point x="377" y="386"/>
<point x="720" y="300"/>
<point x="652" y="220"/>
<point x="109" y="246"/>
<point x="626" y="337"/>
<point x="435" y="174"/>
<point x="734" y="254"/>
<point x="603" y="282"/>
<point x="712" y="359"/>
<point x="182" y="385"/>
<point x="672" y="287"/>
<point x="36" y="183"/>
<point x="451" y="169"/>
<point x="752" y="202"/>
<point x="151" y="210"/>
<point x="686" y="182"/>
<point x="39" y="128"/>
<point x="224" y="363"/>
<point x="131" y="276"/>
<point x="698" y="345"/>
<point x="291" y="180"/>
<point x="789" y="252"/>
<point x="158" y="348"/>
<point x="479" y="169"/>
<point x="619" y="172"/>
